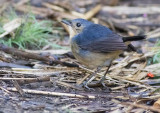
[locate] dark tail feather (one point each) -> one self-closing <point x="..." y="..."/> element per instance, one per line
<point x="133" y="38"/>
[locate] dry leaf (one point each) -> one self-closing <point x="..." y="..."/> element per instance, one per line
<point x="11" y="26"/>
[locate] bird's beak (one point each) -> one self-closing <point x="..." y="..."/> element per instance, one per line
<point x="67" y="22"/>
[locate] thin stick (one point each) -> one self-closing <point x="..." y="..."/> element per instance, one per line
<point x="83" y="79"/>
<point x="5" y="90"/>
<point x="6" y="79"/>
<point x="54" y="93"/>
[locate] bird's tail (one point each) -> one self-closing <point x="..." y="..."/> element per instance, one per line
<point x="134" y="38"/>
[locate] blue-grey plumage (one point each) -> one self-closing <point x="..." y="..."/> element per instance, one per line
<point x="98" y="38"/>
<point x="92" y="59"/>
<point x="95" y="45"/>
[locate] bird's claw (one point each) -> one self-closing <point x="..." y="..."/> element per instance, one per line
<point x="85" y="85"/>
<point x="102" y="84"/>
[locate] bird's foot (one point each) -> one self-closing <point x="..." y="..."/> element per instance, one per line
<point x="101" y="84"/>
<point x="85" y="85"/>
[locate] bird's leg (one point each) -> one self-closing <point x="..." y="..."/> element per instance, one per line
<point x="104" y="76"/>
<point x="91" y="77"/>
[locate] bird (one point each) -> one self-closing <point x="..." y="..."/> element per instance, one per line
<point x="96" y="46"/>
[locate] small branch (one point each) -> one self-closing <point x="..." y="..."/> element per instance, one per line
<point x="83" y="79"/>
<point x="24" y="54"/>
<point x="54" y="93"/>
<point x="28" y="55"/>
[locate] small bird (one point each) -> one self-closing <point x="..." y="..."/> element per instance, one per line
<point x="95" y="45"/>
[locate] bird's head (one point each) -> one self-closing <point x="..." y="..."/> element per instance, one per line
<point x="76" y="26"/>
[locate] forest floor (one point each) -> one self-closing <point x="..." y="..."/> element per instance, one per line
<point x="42" y="77"/>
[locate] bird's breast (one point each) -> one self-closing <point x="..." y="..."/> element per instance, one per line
<point x="91" y="59"/>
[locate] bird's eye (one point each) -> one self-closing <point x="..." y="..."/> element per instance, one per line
<point x="78" y="24"/>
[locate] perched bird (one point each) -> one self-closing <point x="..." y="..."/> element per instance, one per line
<point x="95" y="45"/>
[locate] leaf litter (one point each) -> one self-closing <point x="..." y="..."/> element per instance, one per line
<point x="44" y="81"/>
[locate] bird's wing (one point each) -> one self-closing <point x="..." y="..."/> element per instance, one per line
<point x="104" y="45"/>
<point x="100" y="39"/>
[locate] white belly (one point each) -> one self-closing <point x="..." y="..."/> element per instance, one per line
<point x="93" y="60"/>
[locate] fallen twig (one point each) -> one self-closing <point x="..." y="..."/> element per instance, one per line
<point x="28" y="55"/>
<point x="58" y="52"/>
<point x="41" y="72"/>
<point x="54" y="93"/>
<point x="5" y="90"/>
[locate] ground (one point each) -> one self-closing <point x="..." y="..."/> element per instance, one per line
<point x="47" y="80"/>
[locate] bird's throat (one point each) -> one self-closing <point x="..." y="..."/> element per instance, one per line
<point x="72" y="32"/>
